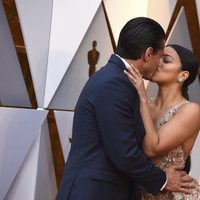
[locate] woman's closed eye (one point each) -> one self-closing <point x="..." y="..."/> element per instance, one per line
<point x="167" y="59"/>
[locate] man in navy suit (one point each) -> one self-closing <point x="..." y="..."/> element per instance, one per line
<point x="105" y="161"/>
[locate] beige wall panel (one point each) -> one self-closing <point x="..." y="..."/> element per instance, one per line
<point x="45" y="186"/>
<point x="198" y="9"/>
<point x="12" y="86"/>
<point x="70" y="21"/>
<point x="120" y="11"/>
<point x="179" y="33"/>
<point x="77" y="74"/>
<point x="64" y="122"/>
<point x="24" y="183"/>
<point x="161" y="11"/>
<point x="19" y="128"/>
<point x="195" y="163"/>
<point x="35" y="20"/>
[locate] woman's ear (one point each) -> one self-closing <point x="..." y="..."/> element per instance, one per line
<point x="148" y="53"/>
<point x="184" y="75"/>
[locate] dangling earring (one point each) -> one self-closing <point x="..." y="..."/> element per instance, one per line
<point x="180" y="80"/>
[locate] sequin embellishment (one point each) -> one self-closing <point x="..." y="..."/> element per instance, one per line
<point x="175" y="156"/>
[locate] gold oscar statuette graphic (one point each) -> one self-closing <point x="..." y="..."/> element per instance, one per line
<point x="93" y="57"/>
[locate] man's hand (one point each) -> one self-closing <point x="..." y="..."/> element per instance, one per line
<point x="178" y="181"/>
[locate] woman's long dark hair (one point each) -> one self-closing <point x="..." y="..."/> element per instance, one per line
<point x="187" y="164"/>
<point x="188" y="63"/>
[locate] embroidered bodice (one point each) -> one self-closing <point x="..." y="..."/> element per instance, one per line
<point x="176" y="156"/>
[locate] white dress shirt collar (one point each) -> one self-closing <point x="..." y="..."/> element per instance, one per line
<point x="124" y="61"/>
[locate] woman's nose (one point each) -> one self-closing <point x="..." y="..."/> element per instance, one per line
<point x="160" y="62"/>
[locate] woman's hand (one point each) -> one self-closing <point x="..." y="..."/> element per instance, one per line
<point x="151" y="139"/>
<point x="136" y="79"/>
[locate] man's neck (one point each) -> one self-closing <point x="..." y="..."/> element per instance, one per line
<point x="129" y="63"/>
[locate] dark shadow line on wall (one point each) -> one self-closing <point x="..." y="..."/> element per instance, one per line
<point x="109" y="28"/>
<point x="58" y="157"/>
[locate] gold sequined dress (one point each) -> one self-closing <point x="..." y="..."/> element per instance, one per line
<point x="175" y="156"/>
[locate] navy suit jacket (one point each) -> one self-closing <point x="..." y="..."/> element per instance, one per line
<point x="106" y="161"/>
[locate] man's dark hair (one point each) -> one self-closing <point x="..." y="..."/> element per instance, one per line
<point x="137" y="35"/>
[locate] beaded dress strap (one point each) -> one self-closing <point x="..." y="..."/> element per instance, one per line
<point x="177" y="106"/>
<point x="170" y="113"/>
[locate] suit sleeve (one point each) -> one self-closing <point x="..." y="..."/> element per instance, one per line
<point x="116" y="110"/>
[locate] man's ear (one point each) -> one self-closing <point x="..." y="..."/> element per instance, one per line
<point x="148" y="53"/>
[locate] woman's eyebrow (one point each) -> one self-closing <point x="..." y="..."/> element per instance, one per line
<point x="167" y="55"/>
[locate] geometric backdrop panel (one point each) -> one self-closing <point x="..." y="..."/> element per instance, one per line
<point x="13" y="90"/>
<point x="78" y="72"/>
<point x="70" y="21"/>
<point x="120" y="11"/>
<point x="64" y="121"/>
<point x="198" y="9"/>
<point x="19" y="129"/>
<point x="195" y="159"/>
<point x="58" y="36"/>
<point x="45" y="185"/>
<point x="24" y="183"/>
<point x="36" y="35"/>
<point x="194" y="91"/>
<point x="161" y="11"/>
<point x="35" y="179"/>
<point x="180" y="33"/>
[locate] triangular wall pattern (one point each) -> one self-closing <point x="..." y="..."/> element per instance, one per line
<point x="70" y="22"/>
<point x="13" y="90"/>
<point x="36" y="34"/>
<point x="77" y="74"/>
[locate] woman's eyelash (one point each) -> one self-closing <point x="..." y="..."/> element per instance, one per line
<point x="166" y="60"/>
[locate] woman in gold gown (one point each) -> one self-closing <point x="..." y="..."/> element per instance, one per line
<point x="170" y="120"/>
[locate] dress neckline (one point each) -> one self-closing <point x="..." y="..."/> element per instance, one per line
<point x="177" y="106"/>
<point x="169" y="113"/>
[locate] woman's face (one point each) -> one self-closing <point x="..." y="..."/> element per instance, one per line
<point x="169" y="68"/>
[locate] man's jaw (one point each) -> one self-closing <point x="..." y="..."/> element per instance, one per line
<point x="151" y="78"/>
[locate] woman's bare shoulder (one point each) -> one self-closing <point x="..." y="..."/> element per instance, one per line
<point x="192" y="105"/>
<point x="190" y="109"/>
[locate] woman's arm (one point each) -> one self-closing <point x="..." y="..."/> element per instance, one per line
<point x="151" y="139"/>
<point x="172" y="134"/>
